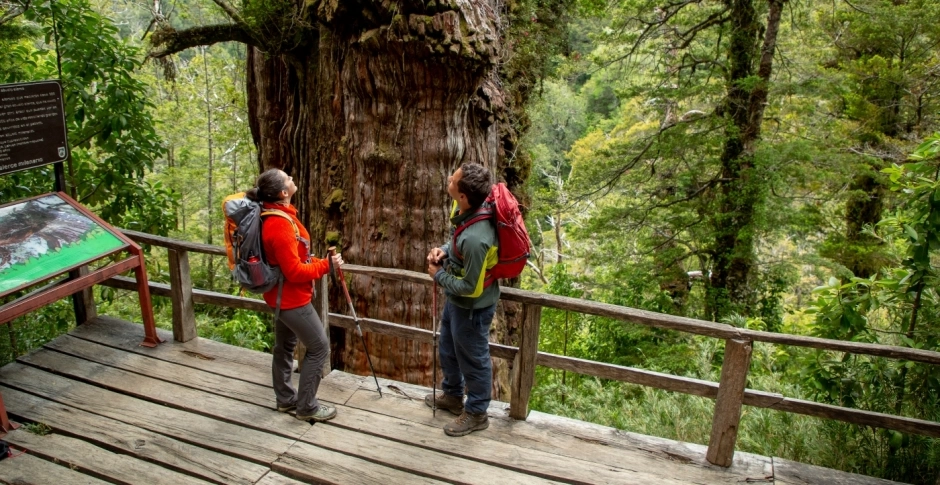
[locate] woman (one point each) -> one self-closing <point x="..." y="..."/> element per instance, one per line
<point x="284" y="248"/>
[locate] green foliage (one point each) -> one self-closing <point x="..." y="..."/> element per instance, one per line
<point x="111" y="132"/>
<point x="899" y="306"/>
<point x="35" y="329"/>
<point x="247" y="329"/>
<point x="40" y="429"/>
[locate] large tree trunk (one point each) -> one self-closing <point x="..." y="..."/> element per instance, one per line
<point x="740" y="189"/>
<point x="370" y="116"/>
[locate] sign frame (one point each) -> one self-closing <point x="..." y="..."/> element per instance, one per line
<point x="61" y="289"/>
<point x="82" y="211"/>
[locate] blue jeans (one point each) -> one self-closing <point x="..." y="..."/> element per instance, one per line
<point x="465" y="355"/>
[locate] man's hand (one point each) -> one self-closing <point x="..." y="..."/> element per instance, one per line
<point x="433" y="268"/>
<point x="436" y="255"/>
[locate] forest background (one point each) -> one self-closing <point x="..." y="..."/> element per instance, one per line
<point x="829" y="226"/>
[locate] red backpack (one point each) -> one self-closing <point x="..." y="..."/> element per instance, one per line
<point x="513" y="239"/>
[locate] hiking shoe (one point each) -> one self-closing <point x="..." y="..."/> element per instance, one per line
<point x="323" y="413"/>
<point x="453" y="404"/>
<point x="286" y="409"/>
<point x="466" y="424"/>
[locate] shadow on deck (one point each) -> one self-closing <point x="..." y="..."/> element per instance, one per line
<point x="202" y="412"/>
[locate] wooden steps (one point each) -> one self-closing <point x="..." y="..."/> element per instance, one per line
<point x="202" y="412"/>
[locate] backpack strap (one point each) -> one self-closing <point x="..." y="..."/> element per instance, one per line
<point x="279" y="213"/>
<point x="277" y="306"/>
<point x="280" y="283"/>
<point x="482" y="214"/>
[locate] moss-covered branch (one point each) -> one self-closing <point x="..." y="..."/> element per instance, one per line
<point x="168" y="41"/>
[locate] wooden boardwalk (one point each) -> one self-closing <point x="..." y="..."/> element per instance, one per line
<point x="202" y="412"/>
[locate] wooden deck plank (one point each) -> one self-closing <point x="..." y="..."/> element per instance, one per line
<point x="613" y="443"/>
<point x="117" y="468"/>
<point x="315" y="464"/>
<point x="274" y="478"/>
<point x="26" y="469"/>
<point x="788" y="472"/>
<point x="229" y="360"/>
<point x="261" y="395"/>
<point x="413" y="460"/>
<point x="184" y="398"/>
<point x="199" y="353"/>
<point x="138" y="442"/>
<point x="493" y="452"/>
<point x="245" y="443"/>
<point x="204" y="410"/>
<point x="541" y="437"/>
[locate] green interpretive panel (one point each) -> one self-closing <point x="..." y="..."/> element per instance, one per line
<point x="46" y="236"/>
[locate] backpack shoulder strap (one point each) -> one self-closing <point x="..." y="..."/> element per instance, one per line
<point x="275" y="212"/>
<point x="484" y="213"/>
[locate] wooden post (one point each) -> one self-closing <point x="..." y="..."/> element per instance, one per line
<point x="181" y="289"/>
<point x="728" y="403"/>
<point x="523" y="367"/>
<point x="88" y="299"/>
<point x="322" y="304"/>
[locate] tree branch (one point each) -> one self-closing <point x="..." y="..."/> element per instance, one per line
<point x="13" y="11"/>
<point x="714" y="19"/>
<point x="231" y="12"/>
<point x="168" y="41"/>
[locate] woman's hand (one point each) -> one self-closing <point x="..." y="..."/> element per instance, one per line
<point x="337" y="260"/>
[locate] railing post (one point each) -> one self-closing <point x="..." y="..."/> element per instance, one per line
<point x="322" y="304"/>
<point x="88" y="299"/>
<point x="728" y="403"/>
<point x="523" y="367"/>
<point x="181" y="289"/>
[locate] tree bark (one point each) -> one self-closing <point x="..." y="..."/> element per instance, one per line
<point x="370" y="115"/>
<point x="740" y="191"/>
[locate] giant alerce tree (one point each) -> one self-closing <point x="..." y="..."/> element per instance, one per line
<point x="370" y="105"/>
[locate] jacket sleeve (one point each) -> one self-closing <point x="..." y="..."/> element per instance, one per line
<point x="281" y="246"/>
<point x="474" y="260"/>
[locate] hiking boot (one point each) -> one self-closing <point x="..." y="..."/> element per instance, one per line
<point x="466" y="424"/>
<point x="286" y="409"/>
<point x="453" y="404"/>
<point x="323" y="413"/>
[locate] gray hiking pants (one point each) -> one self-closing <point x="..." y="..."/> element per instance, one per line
<point x="304" y="324"/>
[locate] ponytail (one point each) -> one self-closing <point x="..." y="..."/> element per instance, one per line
<point x="268" y="187"/>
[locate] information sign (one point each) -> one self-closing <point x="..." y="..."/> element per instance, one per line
<point x="32" y="125"/>
<point x="45" y="236"/>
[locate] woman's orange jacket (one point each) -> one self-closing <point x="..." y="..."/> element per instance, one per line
<point x="283" y="249"/>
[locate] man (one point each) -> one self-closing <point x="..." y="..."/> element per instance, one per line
<point x="465" y="324"/>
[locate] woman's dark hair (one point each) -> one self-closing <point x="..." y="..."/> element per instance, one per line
<point x="268" y="187"/>
<point x="476" y="183"/>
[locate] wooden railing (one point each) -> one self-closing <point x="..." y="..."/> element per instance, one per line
<point x="730" y="393"/>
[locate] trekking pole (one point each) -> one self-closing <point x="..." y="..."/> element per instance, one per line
<point x="342" y="280"/>
<point x="434" y="330"/>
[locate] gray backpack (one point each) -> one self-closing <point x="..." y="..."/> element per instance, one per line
<point x="245" y="251"/>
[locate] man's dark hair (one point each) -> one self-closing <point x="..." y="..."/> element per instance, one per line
<point x="476" y="183"/>
<point x="268" y="187"/>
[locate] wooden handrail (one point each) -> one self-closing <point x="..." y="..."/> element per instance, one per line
<point x="729" y="393"/>
<point x="671" y="322"/>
